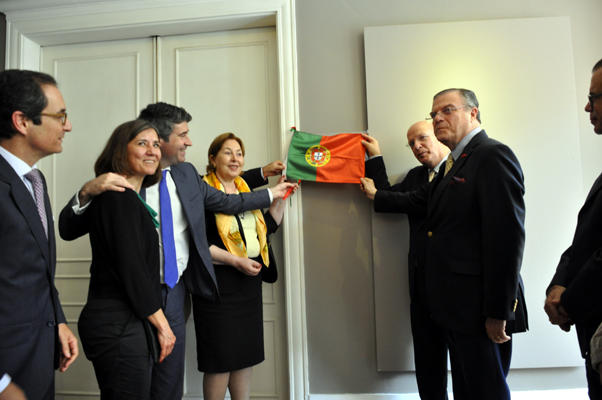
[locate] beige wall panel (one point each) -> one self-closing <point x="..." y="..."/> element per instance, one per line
<point x="402" y="75"/>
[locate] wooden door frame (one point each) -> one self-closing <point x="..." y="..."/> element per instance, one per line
<point x="29" y="28"/>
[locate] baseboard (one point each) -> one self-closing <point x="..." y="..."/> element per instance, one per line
<point x="573" y="394"/>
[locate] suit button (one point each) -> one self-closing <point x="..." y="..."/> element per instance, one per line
<point x="430" y="234"/>
<point x="50" y="323"/>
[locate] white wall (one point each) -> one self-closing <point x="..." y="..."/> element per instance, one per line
<point x="337" y="228"/>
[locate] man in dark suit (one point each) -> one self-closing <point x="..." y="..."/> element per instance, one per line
<point x="573" y="296"/>
<point x="34" y="336"/>
<point x="475" y="229"/>
<point x="189" y="196"/>
<point x="430" y="348"/>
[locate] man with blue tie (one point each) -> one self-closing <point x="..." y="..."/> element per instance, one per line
<point x="430" y="349"/>
<point x="34" y="337"/>
<point x="180" y="199"/>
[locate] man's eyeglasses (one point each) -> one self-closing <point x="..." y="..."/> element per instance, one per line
<point x="419" y="139"/>
<point x="445" y="111"/>
<point x="62" y="116"/>
<point x="593" y="96"/>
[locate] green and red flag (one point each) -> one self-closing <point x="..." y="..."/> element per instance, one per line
<point x="336" y="159"/>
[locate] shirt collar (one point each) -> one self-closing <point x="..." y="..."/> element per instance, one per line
<point x="460" y="147"/>
<point x="20" y="166"/>
<point x="436" y="169"/>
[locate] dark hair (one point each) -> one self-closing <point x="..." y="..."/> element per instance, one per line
<point x="164" y="116"/>
<point x="114" y="156"/>
<point x="597" y="66"/>
<point x="217" y="145"/>
<point x="22" y="90"/>
<point x="468" y="96"/>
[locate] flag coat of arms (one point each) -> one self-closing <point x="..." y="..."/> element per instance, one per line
<point x="336" y="159"/>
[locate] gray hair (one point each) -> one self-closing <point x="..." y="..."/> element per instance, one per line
<point x="468" y="97"/>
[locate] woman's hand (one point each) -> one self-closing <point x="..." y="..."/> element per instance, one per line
<point x="247" y="266"/>
<point x="167" y="339"/>
<point x="277" y="207"/>
<point x="279" y="191"/>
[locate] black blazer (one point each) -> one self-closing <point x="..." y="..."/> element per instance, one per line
<point x="29" y="302"/>
<point x="580" y="269"/>
<point x="476" y="236"/>
<point x="415" y="178"/>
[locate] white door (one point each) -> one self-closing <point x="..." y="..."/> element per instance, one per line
<point x="228" y="82"/>
<point x="104" y="84"/>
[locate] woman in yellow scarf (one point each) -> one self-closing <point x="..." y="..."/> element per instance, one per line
<point x="230" y="332"/>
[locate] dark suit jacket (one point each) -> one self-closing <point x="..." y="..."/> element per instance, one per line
<point x="580" y="269"/>
<point x="416" y="177"/>
<point x="476" y="237"/>
<point x="195" y="195"/>
<point x="29" y="302"/>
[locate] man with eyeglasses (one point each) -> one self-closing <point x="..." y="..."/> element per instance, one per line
<point x="34" y="336"/>
<point x="573" y="297"/>
<point x="475" y="240"/>
<point x="430" y="349"/>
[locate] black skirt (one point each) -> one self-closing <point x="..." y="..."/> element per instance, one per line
<point x="229" y="333"/>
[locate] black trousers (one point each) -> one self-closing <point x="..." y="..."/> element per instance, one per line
<point x="113" y="339"/>
<point x="479" y="366"/>
<point x="430" y="346"/>
<point x="593" y="380"/>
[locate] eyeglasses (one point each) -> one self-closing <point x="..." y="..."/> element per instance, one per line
<point x="62" y="116"/>
<point x="593" y="96"/>
<point x="419" y="139"/>
<point x="445" y="111"/>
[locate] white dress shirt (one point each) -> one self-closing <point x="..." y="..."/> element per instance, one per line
<point x="180" y="224"/>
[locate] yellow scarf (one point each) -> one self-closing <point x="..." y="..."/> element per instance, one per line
<point x="229" y="232"/>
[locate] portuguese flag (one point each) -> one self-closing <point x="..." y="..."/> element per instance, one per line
<point x="336" y="159"/>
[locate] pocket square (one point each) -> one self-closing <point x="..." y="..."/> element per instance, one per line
<point x="456" y="181"/>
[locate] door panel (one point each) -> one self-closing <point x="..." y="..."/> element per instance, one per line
<point x="104" y="85"/>
<point x="228" y="82"/>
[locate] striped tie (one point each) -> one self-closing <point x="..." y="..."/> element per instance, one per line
<point x="448" y="164"/>
<point x="35" y="177"/>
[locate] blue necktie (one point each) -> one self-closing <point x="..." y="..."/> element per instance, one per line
<point x="170" y="266"/>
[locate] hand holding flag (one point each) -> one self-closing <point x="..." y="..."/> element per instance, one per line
<point x="336" y="159"/>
